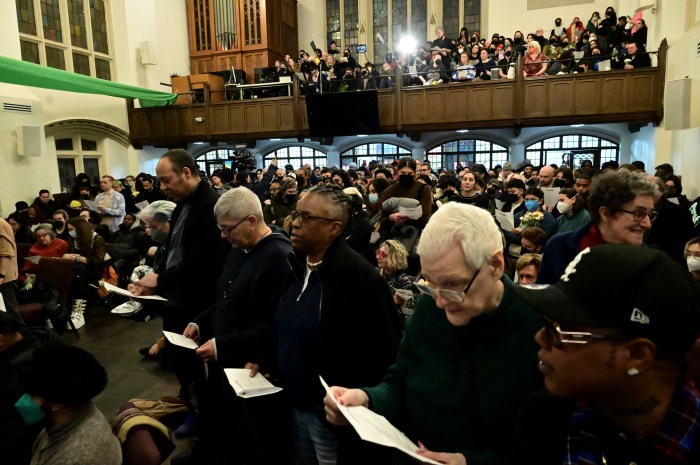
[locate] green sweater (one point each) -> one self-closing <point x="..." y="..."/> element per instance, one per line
<point x="566" y="224"/>
<point x="454" y="403"/>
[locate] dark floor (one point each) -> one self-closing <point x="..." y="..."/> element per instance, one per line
<point x="115" y="341"/>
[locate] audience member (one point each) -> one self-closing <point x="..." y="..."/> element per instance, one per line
<point x="462" y="416"/>
<point x="621" y="205"/>
<point x="17" y="430"/>
<point x="47" y="245"/>
<point x="9" y="273"/>
<point x="692" y="257"/>
<point x="111" y="204"/>
<point x="317" y="333"/>
<point x="60" y="382"/>
<point x="59" y="223"/>
<point x="22" y="234"/>
<point x="236" y="329"/>
<point x="392" y="263"/>
<point x="526" y="268"/>
<point x="572" y="212"/>
<point x="45" y="206"/>
<point x="619" y="361"/>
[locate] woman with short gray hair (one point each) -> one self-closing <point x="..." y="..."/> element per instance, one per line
<point x="621" y="205"/>
<point x="473" y="327"/>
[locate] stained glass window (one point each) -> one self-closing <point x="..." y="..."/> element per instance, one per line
<point x="472" y="15"/>
<point x="399" y="18"/>
<point x="81" y="64"/>
<point x="30" y="51"/>
<point x="25" y="16"/>
<point x="98" y="19"/>
<point x="103" y="69"/>
<point x="56" y="58"/>
<point x="76" y="17"/>
<point x="332" y="22"/>
<point x="450" y="18"/>
<point x="51" y="20"/>
<point x="351" y="26"/>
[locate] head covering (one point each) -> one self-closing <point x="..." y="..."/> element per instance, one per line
<point x="65" y="374"/>
<point x="507" y="166"/>
<point x="75" y="204"/>
<point x="639" y="291"/>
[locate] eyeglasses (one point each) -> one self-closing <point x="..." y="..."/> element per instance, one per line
<point x="229" y="230"/>
<point x="452" y="296"/>
<point x="381" y="254"/>
<point x="639" y="215"/>
<point x="303" y="216"/>
<point x="557" y="338"/>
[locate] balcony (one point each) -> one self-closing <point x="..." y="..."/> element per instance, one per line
<point x="630" y="96"/>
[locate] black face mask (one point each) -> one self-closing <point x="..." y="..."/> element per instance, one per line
<point x="671" y="193"/>
<point x="511" y="198"/>
<point x="558" y="23"/>
<point x="508" y="54"/>
<point x="85" y="196"/>
<point x="518" y="40"/>
<point x="559" y="182"/>
<point x="57" y="225"/>
<point x="492" y="192"/>
<point x="523" y="251"/>
<point x="290" y="198"/>
<point x="406" y="180"/>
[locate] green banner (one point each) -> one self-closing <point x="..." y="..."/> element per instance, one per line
<point x="29" y="74"/>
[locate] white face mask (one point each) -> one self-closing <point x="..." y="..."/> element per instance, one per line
<point x="693" y="263"/>
<point x="563" y="207"/>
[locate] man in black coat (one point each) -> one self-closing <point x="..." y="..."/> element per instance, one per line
<point x="195" y="253"/>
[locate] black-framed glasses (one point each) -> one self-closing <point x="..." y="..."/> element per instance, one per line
<point x="229" y="230"/>
<point x="639" y="215"/>
<point x="303" y="216"/>
<point x="452" y="296"/>
<point x="557" y="338"/>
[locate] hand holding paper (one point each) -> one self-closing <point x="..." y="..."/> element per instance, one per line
<point x="180" y="340"/>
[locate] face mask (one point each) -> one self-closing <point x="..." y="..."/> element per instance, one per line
<point x="73" y="234"/>
<point x="693" y="263"/>
<point x="558" y="23"/>
<point x="531" y="204"/>
<point x="373" y="198"/>
<point x="159" y="236"/>
<point x="511" y="198"/>
<point x="563" y="207"/>
<point x="671" y="193"/>
<point x="523" y="251"/>
<point x="85" y="196"/>
<point x="290" y="198"/>
<point x="29" y="410"/>
<point x="406" y="180"/>
<point x="57" y="224"/>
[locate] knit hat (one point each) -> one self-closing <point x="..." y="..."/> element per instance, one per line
<point x="75" y="204"/>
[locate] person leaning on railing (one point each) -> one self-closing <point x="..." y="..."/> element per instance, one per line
<point x="637" y="57"/>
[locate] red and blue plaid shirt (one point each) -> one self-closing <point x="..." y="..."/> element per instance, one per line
<point x="593" y="439"/>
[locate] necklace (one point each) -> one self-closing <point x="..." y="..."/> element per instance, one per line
<point x="313" y="264"/>
<point x="268" y="232"/>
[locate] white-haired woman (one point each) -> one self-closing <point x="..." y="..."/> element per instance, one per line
<point x="467" y="360"/>
<point x="392" y="263"/>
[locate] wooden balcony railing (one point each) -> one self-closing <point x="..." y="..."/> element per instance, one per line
<point x="631" y="96"/>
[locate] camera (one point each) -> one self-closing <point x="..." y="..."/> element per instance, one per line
<point x="362" y="48"/>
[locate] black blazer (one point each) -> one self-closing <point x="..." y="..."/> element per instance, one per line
<point x="192" y="283"/>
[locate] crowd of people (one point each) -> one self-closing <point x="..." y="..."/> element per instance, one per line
<point x="607" y="41"/>
<point x="455" y="302"/>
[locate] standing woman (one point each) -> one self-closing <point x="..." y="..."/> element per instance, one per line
<point x="469" y="194"/>
<point x="87" y="249"/>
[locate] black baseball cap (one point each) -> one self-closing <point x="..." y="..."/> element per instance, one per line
<point x="639" y="291"/>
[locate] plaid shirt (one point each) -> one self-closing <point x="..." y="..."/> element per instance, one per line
<point x="593" y="439"/>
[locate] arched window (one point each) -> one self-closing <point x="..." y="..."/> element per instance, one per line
<point x="572" y="149"/>
<point x="297" y="156"/>
<point x="467" y="152"/>
<point x="75" y="154"/>
<point x="215" y="159"/>
<point x="381" y="152"/>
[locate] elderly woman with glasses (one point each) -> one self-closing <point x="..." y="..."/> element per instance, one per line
<point x="47" y="246"/>
<point x="465" y="363"/>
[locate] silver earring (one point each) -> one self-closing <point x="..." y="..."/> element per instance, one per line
<point x="632" y="371"/>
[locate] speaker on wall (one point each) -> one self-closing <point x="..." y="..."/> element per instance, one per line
<point x="148" y="53"/>
<point x="28" y="141"/>
<point x="677" y="98"/>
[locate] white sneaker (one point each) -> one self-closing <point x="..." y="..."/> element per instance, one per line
<point x="127" y="308"/>
<point x="77" y="314"/>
